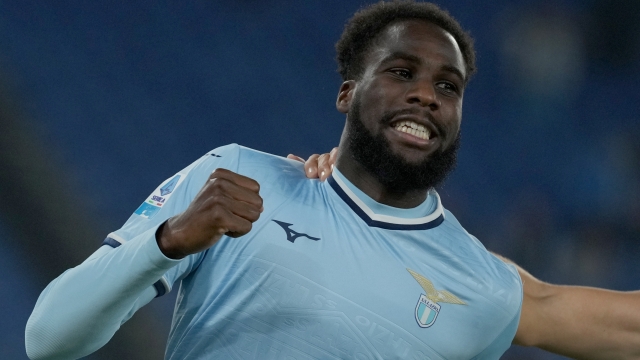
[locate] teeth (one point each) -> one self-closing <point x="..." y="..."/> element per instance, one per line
<point x="413" y="128"/>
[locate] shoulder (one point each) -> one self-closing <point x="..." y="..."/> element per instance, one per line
<point x="499" y="279"/>
<point x="248" y="162"/>
<point x="276" y="175"/>
<point x="452" y="224"/>
<point x="270" y="171"/>
<point x="268" y="168"/>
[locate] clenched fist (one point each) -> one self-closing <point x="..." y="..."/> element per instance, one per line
<point x="227" y="204"/>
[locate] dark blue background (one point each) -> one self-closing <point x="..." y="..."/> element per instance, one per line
<point x="121" y="95"/>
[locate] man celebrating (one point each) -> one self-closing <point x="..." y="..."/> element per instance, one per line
<point x="367" y="265"/>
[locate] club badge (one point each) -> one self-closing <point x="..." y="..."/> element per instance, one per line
<point x="427" y="309"/>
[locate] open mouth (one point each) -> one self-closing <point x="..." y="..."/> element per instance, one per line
<point x="413" y="128"/>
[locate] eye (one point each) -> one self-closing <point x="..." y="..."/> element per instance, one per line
<point x="403" y="73"/>
<point x="447" y="87"/>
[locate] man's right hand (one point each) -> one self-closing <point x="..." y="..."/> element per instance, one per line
<point x="227" y="204"/>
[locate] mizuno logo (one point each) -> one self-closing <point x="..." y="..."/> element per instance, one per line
<point x="291" y="234"/>
<point x="215" y="155"/>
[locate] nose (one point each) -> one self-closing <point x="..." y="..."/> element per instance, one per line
<point x="423" y="93"/>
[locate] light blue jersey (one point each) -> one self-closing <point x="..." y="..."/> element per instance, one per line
<point x="325" y="273"/>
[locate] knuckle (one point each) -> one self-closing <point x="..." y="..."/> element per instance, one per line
<point x="312" y="159"/>
<point x="218" y="184"/>
<point x="215" y="212"/>
<point x="246" y="227"/>
<point x="251" y="213"/>
<point x="220" y="173"/>
<point x="214" y="191"/>
<point x="256" y="185"/>
<point x="218" y="205"/>
<point x="216" y="173"/>
<point x="254" y="216"/>
<point x="333" y="154"/>
<point x="221" y="219"/>
<point x="226" y="222"/>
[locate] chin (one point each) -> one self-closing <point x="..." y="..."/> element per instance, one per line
<point x="413" y="157"/>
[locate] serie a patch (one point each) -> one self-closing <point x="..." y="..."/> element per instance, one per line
<point x="159" y="196"/>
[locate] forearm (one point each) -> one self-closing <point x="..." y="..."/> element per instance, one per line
<point x="579" y="322"/>
<point x="82" y="309"/>
<point x="587" y="323"/>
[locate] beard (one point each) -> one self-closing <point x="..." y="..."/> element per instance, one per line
<point x="395" y="173"/>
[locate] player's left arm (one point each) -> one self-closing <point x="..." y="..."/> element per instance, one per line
<point x="575" y="321"/>
<point x="579" y="322"/>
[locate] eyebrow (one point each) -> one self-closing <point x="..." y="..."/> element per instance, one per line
<point x="403" y="56"/>
<point x="454" y="70"/>
<point x="416" y="60"/>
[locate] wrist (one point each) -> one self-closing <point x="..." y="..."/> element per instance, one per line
<point x="166" y="242"/>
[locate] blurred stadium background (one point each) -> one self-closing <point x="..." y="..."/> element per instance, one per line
<point x="101" y="101"/>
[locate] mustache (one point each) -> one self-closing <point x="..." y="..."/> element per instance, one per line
<point x="388" y="116"/>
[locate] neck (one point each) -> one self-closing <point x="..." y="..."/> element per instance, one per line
<point x="370" y="185"/>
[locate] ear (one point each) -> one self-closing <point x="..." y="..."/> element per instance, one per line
<point x="345" y="95"/>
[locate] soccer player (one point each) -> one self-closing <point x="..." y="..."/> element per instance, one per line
<point x="365" y="265"/>
<point x="552" y="316"/>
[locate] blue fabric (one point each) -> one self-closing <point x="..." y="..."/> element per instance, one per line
<point x="313" y="280"/>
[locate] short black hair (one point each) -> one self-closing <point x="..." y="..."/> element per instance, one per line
<point x="366" y="24"/>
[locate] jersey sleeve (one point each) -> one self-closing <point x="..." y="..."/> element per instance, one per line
<point x="79" y="311"/>
<point x="170" y="198"/>
<point x="503" y="341"/>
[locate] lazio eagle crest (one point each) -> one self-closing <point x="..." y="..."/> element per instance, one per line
<point x="427" y="309"/>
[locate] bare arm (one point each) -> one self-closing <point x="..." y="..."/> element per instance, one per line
<point x="575" y="321"/>
<point x="579" y="322"/>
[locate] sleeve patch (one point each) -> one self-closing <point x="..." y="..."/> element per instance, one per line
<point x="114" y="240"/>
<point x="111" y="242"/>
<point x="159" y="197"/>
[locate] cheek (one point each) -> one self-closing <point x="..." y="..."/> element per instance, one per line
<point x="372" y="105"/>
<point x="458" y="117"/>
<point x="379" y="103"/>
<point x="378" y="91"/>
<point x="372" y="97"/>
<point x="454" y="122"/>
<point x="456" y="112"/>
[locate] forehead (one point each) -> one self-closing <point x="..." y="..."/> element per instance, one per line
<point x="417" y="37"/>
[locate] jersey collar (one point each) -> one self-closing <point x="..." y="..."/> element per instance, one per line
<point x="372" y="219"/>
